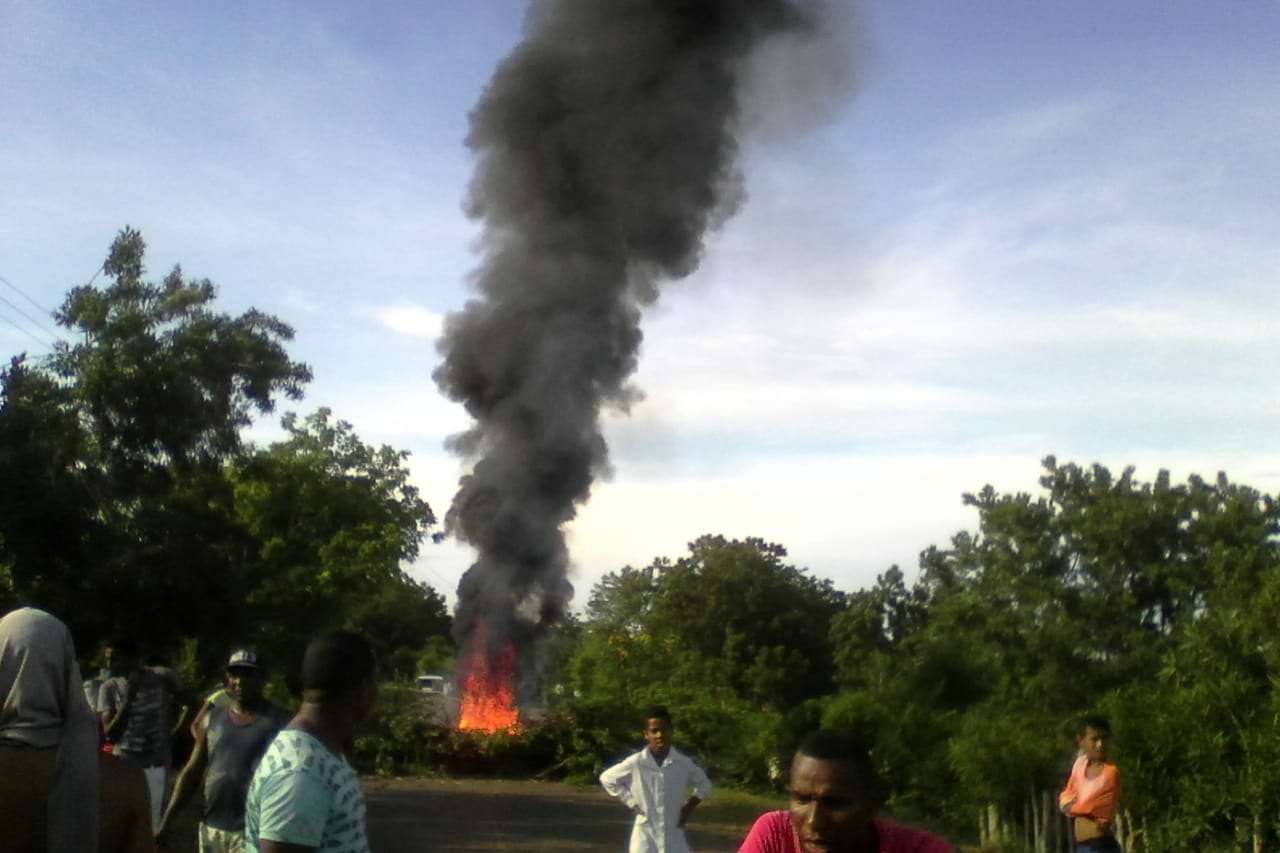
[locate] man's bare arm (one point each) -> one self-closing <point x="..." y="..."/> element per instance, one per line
<point x="187" y="781"/>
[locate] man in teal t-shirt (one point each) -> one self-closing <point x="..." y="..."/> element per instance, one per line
<point x="304" y="792"/>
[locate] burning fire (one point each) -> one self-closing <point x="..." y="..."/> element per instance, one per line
<point x="488" y="689"/>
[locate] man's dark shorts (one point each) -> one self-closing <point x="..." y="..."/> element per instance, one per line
<point x="1103" y="844"/>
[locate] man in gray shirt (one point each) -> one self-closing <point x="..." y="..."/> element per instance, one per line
<point x="230" y="740"/>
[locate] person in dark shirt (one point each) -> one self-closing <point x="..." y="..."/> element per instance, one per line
<point x="230" y="740"/>
<point x="137" y="709"/>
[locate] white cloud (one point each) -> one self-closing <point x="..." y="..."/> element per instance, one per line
<point x="401" y="413"/>
<point x="412" y="320"/>
<point x="846" y="517"/>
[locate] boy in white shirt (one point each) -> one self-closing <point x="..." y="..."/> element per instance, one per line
<point x="653" y="783"/>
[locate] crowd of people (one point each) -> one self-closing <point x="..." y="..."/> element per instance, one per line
<point x="82" y="769"/>
<point x="83" y="763"/>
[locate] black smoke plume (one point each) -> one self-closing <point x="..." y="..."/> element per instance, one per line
<point x="605" y="147"/>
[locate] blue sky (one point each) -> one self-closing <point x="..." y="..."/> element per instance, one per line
<point x="1029" y="228"/>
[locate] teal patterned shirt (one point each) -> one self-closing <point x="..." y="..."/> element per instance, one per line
<point x="304" y="794"/>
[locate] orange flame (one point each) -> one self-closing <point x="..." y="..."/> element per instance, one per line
<point x="488" y="689"/>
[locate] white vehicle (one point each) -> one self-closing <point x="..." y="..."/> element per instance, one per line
<point x="435" y="685"/>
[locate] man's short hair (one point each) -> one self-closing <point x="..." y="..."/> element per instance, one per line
<point x="850" y="750"/>
<point x="336" y="665"/>
<point x="657" y="712"/>
<point x="1093" y="721"/>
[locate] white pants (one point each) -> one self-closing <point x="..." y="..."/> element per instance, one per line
<point x="155" y="788"/>
<point x="213" y="840"/>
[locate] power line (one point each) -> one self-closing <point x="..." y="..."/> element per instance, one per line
<point x="42" y="343"/>
<point x="31" y="319"/>
<point x="18" y="291"/>
<point x="445" y="585"/>
<point x="44" y="311"/>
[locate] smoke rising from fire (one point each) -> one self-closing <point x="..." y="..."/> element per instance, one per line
<point x="605" y="147"/>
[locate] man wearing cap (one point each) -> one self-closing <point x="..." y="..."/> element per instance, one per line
<point x="230" y="739"/>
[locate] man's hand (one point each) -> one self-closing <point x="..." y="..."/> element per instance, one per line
<point x="687" y="810"/>
<point x="115" y="720"/>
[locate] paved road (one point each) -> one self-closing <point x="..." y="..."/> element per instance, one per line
<point x="473" y="816"/>
<point x="452" y="816"/>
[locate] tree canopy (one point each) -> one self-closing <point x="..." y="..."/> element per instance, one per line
<point x="133" y="502"/>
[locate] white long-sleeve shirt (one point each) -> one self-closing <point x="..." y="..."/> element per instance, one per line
<point x="660" y="793"/>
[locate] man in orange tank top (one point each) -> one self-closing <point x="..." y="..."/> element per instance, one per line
<point x="1092" y="794"/>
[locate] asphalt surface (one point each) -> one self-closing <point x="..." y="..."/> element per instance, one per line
<point x="453" y="816"/>
<point x="469" y="816"/>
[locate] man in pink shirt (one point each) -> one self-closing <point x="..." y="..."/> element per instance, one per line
<point x="834" y="797"/>
<point x="1092" y="793"/>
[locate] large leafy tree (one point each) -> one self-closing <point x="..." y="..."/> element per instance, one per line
<point x="132" y="502"/>
<point x="730" y="635"/>
<point x="49" y="525"/>
<point x="165" y="382"/>
<point x="332" y="521"/>
<point x="738" y="601"/>
<point x="120" y="439"/>
<point x="733" y="603"/>
<point x="406" y="621"/>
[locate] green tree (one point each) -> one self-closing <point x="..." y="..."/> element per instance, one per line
<point x="730" y="636"/>
<point x="1146" y="600"/>
<point x="332" y="520"/>
<point x="1212" y="703"/>
<point x="119" y="440"/>
<point x="166" y="382"/>
<point x="49" y="527"/>
<point x="403" y="619"/>
<point x="737" y="601"/>
<point x="133" y="503"/>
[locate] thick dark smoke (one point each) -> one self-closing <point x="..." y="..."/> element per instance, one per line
<point x="606" y="152"/>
